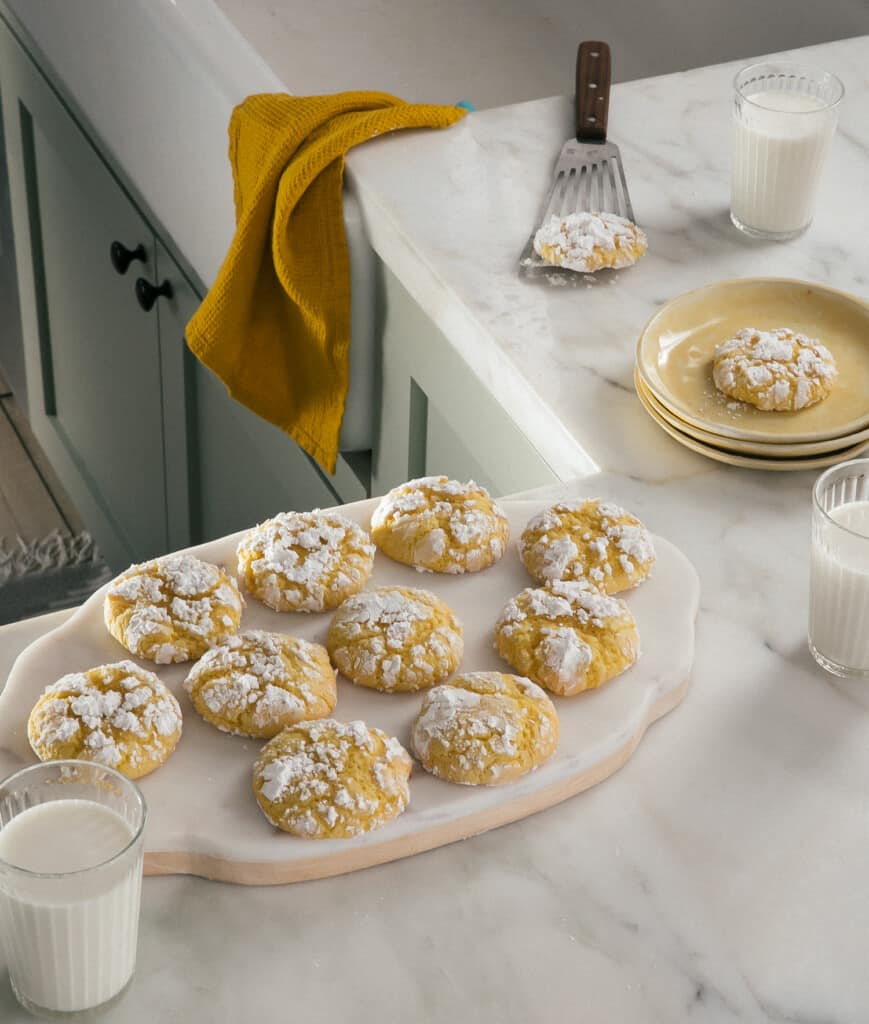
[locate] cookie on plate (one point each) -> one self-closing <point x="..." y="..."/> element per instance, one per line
<point x="777" y="370"/>
<point x="172" y="608"/>
<point x="484" y="729"/>
<point x="305" y="561"/>
<point x="587" y="242"/>
<point x="257" y="683"/>
<point x="118" y="715"/>
<point x="593" y="540"/>
<point x="331" y="780"/>
<point x="440" y="525"/>
<point x="395" y="639"/>
<point x="567" y="636"/>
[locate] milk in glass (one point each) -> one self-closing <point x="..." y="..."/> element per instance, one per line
<point x="839" y="603"/>
<point x="70" y="940"/>
<point x="784" y="119"/>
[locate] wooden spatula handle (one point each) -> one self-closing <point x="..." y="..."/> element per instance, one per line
<point x="592" y="91"/>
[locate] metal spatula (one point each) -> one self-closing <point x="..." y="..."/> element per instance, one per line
<point x="589" y="176"/>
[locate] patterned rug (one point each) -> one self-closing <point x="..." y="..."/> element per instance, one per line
<point x="57" y="571"/>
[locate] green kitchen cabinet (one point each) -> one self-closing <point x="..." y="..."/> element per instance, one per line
<point x="228" y="466"/>
<point x="149" y="445"/>
<point x="247" y="470"/>
<point x="437" y="416"/>
<point x="92" y="355"/>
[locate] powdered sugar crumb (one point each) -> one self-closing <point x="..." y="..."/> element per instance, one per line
<point x="121" y="712"/>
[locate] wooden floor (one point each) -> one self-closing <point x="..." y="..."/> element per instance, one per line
<point x="32" y="502"/>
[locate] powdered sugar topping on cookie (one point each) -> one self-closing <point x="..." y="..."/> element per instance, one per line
<point x="592" y="539"/>
<point x="439" y="524"/>
<point x="586" y="242"/>
<point x="325" y="775"/>
<point x="305" y="561"/>
<point x="266" y="676"/>
<point x="486" y="725"/>
<point x="777" y="370"/>
<point x="172" y="608"/>
<point x="118" y="713"/>
<point x="395" y="638"/>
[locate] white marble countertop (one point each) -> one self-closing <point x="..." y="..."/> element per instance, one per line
<point x="720" y="876"/>
<point x="450" y="212"/>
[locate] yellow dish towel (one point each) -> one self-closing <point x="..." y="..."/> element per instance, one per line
<point x="275" y="326"/>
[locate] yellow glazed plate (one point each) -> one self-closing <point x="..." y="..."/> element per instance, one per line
<point x="807" y="449"/>
<point x="674" y="357"/>
<point x="749" y="461"/>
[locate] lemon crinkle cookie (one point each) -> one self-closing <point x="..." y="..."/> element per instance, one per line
<point x="257" y="683"/>
<point x="484" y="729"/>
<point x="587" y="242"/>
<point x="305" y="561"/>
<point x="775" y="370"/>
<point x="118" y="715"/>
<point x="331" y="780"/>
<point x="172" y="608"/>
<point x="593" y="540"/>
<point x="395" y="639"/>
<point x="567" y="636"/>
<point x="440" y="525"/>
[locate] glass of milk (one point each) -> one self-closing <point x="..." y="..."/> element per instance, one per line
<point x="839" y="588"/>
<point x="783" y="120"/>
<point x="70" y="882"/>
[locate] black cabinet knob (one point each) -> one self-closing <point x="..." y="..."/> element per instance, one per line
<point x="148" y="293"/>
<point x="122" y="257"/>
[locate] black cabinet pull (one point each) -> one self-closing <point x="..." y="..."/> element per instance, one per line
<point x="122" y="257"/>
<point x="148" y="293"/>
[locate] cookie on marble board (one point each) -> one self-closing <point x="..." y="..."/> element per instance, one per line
<point x="172" y="608"/>
<point x="257" y="683"/>
<point x="776" y="370"/>
<point x="567" y="636"/>
<point x="118" y="715"/>
<point x="593" y="540"/>
<point x="440" y="525"/>
<point x="305" y="561"/>
<point x="587" y="242"/>
<point x="395" y="639"/>
<point x="331" y="780"/>
<point x="484" y="729"/>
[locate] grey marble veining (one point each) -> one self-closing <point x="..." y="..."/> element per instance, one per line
<point x="719" y="877"/>
<point x="450" y="212"/>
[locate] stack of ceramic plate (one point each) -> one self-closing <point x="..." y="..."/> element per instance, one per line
<point x="673" y="374"/>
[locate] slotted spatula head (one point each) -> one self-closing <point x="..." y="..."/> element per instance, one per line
<point x="589" y="176"/>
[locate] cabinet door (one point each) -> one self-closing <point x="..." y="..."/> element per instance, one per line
<point x="226" y="469"/>
<point x="437" y="416"/>
<point x="246" y="470"/>
<point x="93" y="359"/>
<point x="178" y="398"/>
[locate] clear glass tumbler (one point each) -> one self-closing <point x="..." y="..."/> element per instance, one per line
<point x="783" y="120"/>
<point x="839" y="582"/>
<point x="71" y="853"/>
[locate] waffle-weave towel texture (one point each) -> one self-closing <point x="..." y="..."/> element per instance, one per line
<point x="275" y="326"/>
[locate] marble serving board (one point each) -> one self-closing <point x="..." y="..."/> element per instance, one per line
<point x="202" y="817"/>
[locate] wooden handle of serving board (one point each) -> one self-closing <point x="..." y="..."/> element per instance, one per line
<point x="593" y="73"/>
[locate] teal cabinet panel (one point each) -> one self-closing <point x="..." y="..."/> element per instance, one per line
<point x="92" y="354"/>
<point x="100" y="350"/>
<point x="437" y="416"/>
<point x="245" y="470"/>
<point x="226" y="469"/>
<point x="148" y="443"/>
<point x="445" y="448"/>
<point x="176" y="377"/>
